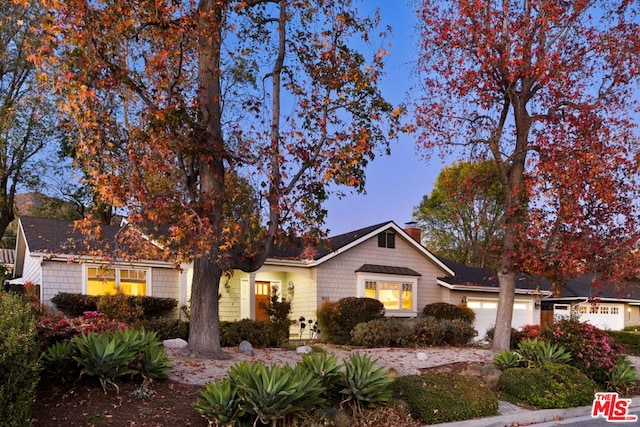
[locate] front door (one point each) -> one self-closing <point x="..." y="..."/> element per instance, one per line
<point x="263" y="295"/>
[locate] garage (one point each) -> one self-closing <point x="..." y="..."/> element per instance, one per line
<point x="486" y="309"/>
<point x="603" y="316"/>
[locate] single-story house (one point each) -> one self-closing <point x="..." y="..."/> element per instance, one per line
<point x="382" y="261"/>
<point x="603" y="305"/>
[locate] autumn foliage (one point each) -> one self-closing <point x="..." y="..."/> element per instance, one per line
<point x="545" y="89"/>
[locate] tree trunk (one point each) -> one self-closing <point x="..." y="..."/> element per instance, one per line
<point x="204" y="327"/>
<point x="504" y="315"/>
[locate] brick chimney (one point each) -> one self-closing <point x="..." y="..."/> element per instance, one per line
<point x="412" y="229"/>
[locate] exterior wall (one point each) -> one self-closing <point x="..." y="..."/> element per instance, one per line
<point x="164" y="283"/>
<point x="632" y="315"/>
<point x="230" y="299"/>
<point x="31" y="270"/>
<point x="60" y="277"/>
<point x="336" y="277"/>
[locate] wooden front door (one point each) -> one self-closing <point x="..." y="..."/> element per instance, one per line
<point x="263" y="295"/>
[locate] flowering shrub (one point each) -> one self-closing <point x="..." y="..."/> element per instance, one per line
<point x="594" y="352"/>
<point x="53" y="327"/>
<point x="530" y="332"/>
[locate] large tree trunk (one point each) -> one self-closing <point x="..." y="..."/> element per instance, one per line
<point x="204" y="327"/>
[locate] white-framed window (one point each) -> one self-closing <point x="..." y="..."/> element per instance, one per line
<point x="398" y="294"/>
<point x="615" y="310"/>
<point x="104" y="280"/>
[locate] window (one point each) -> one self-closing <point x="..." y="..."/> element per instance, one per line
<point x="604" y="310"/>
<point x="593" y="309"/>
<point x="106" y="280"/>
<point x="614" y="310"/>
<point x="386" y="240"/>
<point x="393" y="295"/>
<point x="583" y="309"/>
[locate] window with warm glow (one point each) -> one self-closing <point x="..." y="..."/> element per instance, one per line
<point x="393" y="295"/>
<point x="106" y="280"/>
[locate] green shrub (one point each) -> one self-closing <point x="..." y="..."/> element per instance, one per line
<point x="219" y="403"/>
<point x="457" y="332"/>
<point x="622" y="378"/>
<point x="279" y="311"/>
<point x="386" y="332"/>
<point x="364" y="385"/>
<point x="594" y="352"/>
<point x="549" y="386"/>
<point x="432" y="332"/>
<point x="19" y="368"/>
<point x="444" y="397"/>
<point x="429" y="332"/>
<point x="103" y="356"/>
<point x="58" y="364"/>
<point x="274" y="393"/>
<point x="327" y="370"/>
<point x="337" y="319"/>
<point x="446" y="311"/>
<point x="536" y="353"/>
<point x="507" y="360"/>
<point x="74" y="305"/>
<point x="629" y="339"/>
<point x="513" y="340"/>
<point x="119" y="307"/>
<point x="260" y="333"/>
<point x="167" y="328"/>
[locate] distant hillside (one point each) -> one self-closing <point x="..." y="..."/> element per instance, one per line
<point x="43" y="206"/>
<point x="38" y="205"/>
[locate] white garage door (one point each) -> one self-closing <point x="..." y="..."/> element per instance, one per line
<point x="603" y="316"/>
<point x="486" y="309"/>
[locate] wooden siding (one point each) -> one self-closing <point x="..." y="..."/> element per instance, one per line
<point x="336" y="277"/>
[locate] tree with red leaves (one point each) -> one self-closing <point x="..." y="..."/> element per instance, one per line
<point x="546" y="89"/>
<point x="178" y="106"/>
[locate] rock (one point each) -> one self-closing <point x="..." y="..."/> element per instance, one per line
<point x="421" y="355"/>
<point x="303" y="349"/>
<point x="175" y="343"/>
<point x="245" y="347"/>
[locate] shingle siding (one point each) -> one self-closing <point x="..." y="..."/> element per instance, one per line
<point x="338" y="278"/>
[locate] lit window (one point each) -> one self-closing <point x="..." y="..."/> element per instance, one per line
<point x="393" y="295"/>
<point x="101" y="281"/>
<point x="604" y="310"/>
<point x="583" y="309"/>
<point x="593" y="309"/>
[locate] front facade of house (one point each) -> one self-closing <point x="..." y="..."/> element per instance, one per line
<point x="383" y="261"/>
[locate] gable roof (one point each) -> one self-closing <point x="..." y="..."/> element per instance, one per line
<point x="49" y="235"/>
<point x="484" y="279"/>
<point x="338" y="244"/>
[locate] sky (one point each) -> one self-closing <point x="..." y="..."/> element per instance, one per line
<point x="395" y="184"/>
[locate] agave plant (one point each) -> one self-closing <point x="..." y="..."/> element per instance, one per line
<point x="58" y="363"/>
<point x="275" y="393"/>
<point x="539" y="353"/>
<point x="219" y="403"/>
<point x="326" y="368"/>
<point x="363" y="385"/>
<point x="104" y="356"/>
<point x="507" y="359"/>
<point x="622" y="377"/>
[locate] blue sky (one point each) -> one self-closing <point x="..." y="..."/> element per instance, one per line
<point x="396" y="183"/>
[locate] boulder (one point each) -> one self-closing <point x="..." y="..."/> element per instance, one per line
<point x="303" y="349"/>
<point x="245" y="347"/>
<point x="175" y="343"/>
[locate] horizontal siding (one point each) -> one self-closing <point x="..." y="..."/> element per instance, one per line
<point x="60" y="277"/>
<point x="337" y="276"/>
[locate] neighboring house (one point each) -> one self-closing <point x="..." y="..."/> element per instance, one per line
<point x="383" y="261"/>
<point x="52" y="254"/>
<point x="603" y="306"/>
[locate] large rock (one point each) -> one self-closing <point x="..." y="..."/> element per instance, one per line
<point x="175" y="343"/>
<point x="303" y="349"/>
<point x="245" y="347"/>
